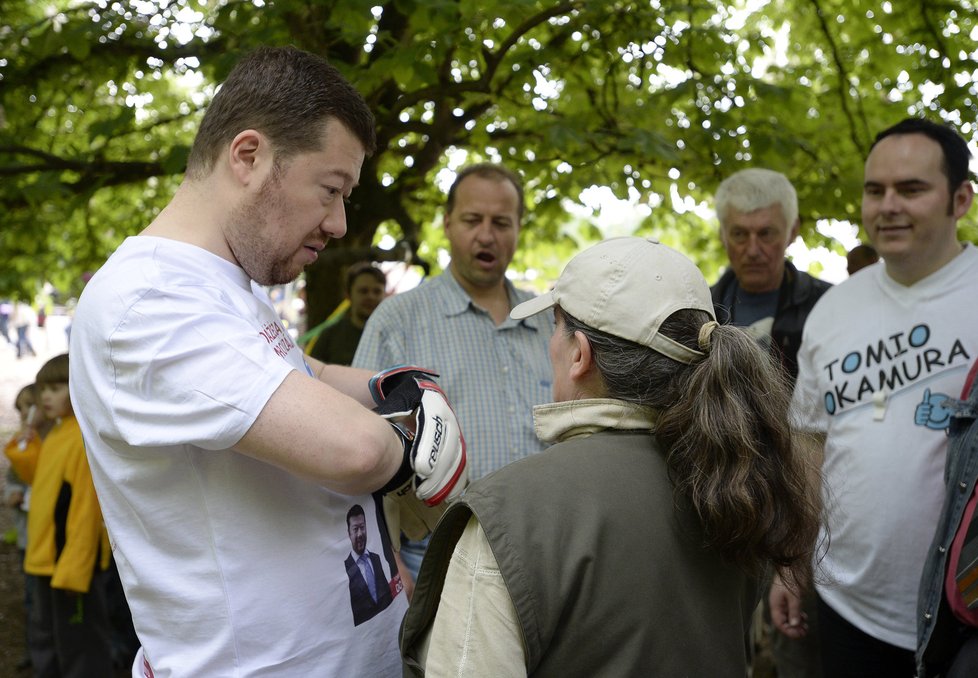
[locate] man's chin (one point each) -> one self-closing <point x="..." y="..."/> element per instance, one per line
<point x="277" y="276"/>
<point x="488" y="278"/>
<point x="755" y="284"/>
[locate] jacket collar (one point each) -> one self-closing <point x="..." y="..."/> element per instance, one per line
<point x="556" y="422"/>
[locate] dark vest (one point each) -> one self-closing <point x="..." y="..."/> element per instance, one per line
<point x="798" y="294"/>
<point x="608" y="578"/>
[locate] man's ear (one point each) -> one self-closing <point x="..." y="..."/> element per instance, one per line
<point x="962" y="199"/>
<point x="246" y="155"/>
<point x="795" y="230"/>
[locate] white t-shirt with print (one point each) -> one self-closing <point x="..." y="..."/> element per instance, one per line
<point x="231" y="566"/>
<point x="877" y="359"/>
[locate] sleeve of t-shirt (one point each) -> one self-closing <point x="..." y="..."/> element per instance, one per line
<point x="187" y="372"/>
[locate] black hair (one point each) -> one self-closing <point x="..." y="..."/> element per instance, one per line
<point x="953" y="146"/>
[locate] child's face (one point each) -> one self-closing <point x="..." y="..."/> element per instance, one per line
<point x="55" y="401"/>
<point x="24" y="404"/>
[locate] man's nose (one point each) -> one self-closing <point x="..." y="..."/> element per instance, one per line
<point x="484" y="232"/>
<point x="753" y="245"/>
<point x="891" y="201"/>
<point x="334" y="223"/>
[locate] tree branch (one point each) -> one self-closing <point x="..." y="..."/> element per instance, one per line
<point x="843" y="75"/>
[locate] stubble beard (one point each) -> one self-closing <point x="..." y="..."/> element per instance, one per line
<point x="254" y="248"/>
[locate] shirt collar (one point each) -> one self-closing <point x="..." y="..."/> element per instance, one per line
<point x="456" y="301"/>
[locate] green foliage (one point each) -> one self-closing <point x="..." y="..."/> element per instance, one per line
<point x="653" y="99"/>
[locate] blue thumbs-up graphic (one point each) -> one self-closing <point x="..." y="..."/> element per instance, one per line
<point x="931" y="411"/>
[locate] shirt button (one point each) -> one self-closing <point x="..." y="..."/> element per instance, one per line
<point x="962" y="486"/>
<point x="505" y="368"/>
<point x="941" y="549"/>
<point x="927" y="616"/>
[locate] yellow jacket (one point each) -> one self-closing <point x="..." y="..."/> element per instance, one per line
<point x="66" y="538"/>
<point x="23" y="461"/>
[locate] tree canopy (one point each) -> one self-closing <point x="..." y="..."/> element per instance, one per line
<point x="657" y="100"/>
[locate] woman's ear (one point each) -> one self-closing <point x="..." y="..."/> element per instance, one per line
<point x="582" y="358"/>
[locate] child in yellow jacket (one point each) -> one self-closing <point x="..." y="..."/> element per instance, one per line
<point x="67" y="545"/>
<point x="22" y="450"/>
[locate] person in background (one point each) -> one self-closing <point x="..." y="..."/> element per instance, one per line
<point x="493" y="367"/>
<point x="366" y="286"/>
<point x="883" y="354"/>
<point x="763" y="292"/>
<point x="6" y="309"/>
<point x="67" y="545"/>
<point x="638" y="544"/>
<point x="16" y="493"/>
<point x="861" y="256"/>
<point x="23" y="318"/>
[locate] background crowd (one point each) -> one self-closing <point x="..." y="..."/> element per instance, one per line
<point x="878" y="367"/>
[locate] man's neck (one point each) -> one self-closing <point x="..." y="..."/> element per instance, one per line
<point x="909" y="270"/>
<point x="193" y="216"/>
<point x="494" y="300"/>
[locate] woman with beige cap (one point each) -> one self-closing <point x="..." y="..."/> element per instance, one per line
<point x="638" y="543"/>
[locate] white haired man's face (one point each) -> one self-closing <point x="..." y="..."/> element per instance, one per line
<point x="755" y="243"/>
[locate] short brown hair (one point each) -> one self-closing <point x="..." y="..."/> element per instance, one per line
<point x="487" y="170"/>
<point x="29" y="391"/>
<point x="54" y="371"/>
<point x="361" y="268"/>
<point x="287" y="95"/>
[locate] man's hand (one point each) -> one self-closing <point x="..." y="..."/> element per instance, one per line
<point x="433" y="443"/>
<point x="786" y="614"/>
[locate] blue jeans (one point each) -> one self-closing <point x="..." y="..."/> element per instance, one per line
<point x="412" y="552"/>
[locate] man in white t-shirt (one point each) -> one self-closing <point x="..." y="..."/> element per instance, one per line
<point x="225" y="463"/>
<point x="880" y="355"/>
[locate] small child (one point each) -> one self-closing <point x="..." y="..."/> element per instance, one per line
<point x="23" y="456"/>
<point x="22" y="450"/>
<point x="67" y="545"/>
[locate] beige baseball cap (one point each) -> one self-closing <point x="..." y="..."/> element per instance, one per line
<point x="627" y="287"/>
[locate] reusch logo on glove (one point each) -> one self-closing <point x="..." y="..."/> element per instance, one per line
<point x="436" y="440"/>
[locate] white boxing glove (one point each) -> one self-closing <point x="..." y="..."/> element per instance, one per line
<point x="438" y="457"/>
<point x="433" y="443"/>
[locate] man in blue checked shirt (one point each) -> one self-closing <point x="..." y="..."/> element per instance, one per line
<point x="493" y="368"/>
